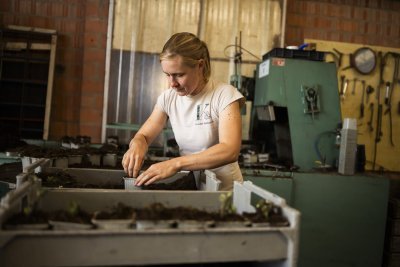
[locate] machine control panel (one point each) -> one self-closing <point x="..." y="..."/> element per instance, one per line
<point x="310" y="99"/>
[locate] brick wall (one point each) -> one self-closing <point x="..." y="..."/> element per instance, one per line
<point x="373" y="22"/>
<point x="94" y="40"/>
<point x="81" y="26"/>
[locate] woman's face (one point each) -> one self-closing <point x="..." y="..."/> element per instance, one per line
<point x="185" y="80"/>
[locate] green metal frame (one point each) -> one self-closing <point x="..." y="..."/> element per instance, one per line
<point x="343" y="218"/>
<point x="284" y="84"/>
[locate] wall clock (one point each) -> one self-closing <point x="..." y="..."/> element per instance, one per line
<point x="363" y="60"/>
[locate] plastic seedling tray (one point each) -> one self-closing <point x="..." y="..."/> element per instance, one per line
<point x="232" y="224"/>
<point x="194" y="224"/>
<point x="59" y="225"/>
<point x="129" y="184"/>
<point x="272" y="245"/>
<point x="61" y="162"/>
<point x="28" y="226"/>
<point x="74" y="159"/>
<point x="153" y="224"/>
<point x="94" y="159"/>
<point x="110" y="160"/>
<point x="113" y="224"/>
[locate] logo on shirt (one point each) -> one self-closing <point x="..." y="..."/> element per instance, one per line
<point x="203" y="114"/>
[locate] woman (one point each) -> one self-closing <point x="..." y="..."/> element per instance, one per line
<point x="204" y="115"/>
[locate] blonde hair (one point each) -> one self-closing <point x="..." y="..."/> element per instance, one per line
<point x="190" y="48"/>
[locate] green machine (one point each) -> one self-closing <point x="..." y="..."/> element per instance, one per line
<point x="298" y="101"/>
<point x="297" y="119"/>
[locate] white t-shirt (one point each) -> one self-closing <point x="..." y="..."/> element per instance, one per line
<point x="194" y="120"/>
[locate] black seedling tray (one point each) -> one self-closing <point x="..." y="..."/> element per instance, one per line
<point x="295" y="53"/>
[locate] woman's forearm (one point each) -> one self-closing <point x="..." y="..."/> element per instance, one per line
<point x="215" y="156"/>
<point x="139" y="139"/>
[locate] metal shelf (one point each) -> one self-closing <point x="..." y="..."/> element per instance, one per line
<point x="27" y="59"/>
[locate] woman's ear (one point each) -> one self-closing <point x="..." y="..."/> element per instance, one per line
<point x="201" y="63"/>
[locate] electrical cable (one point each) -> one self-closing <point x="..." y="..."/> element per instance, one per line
<point x="238" y="46"/>
<point x="316" y="144"/>
<point x="381" y="167"/>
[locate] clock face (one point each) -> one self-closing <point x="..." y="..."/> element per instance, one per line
<point x="364" y="60"/>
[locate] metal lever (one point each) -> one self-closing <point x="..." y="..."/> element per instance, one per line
<point x="353" y="91"/>
<point x="362" y="99"/>
<point x="311" y="97"/>
<point x="341" y="85"/>
<point x="346" y="83"/>
<point x="371" y="108"/>
<point x="369" y="91"/>
<point x="387" y="93"/>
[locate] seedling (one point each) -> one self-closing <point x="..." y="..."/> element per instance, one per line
<point x="73" y="208"/>
<point x="226" y="204"/>
<point x="27" y="211"/>
<point x="263" y="207"/>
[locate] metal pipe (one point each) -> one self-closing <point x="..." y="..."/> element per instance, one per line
<point x="107" y="70"/>
<point x="283" y="23"/>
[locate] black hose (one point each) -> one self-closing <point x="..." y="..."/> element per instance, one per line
<point x="316" y="144"/>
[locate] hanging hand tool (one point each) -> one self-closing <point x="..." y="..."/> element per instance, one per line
<point x="389" y="112"/>
<point x="378" y="94"/>
<point x="311" y="98"/>
<point x="388" y="103"/>
<point x="340" y="56"/>
<point x="369" y="91"/>
<point x="335" y="58"/>
<point x="344" y="88"/>
<point x="346" y="83"/>
<point x="371" y="117"/>
<point x="353" y="91"/>
<point x="342" y="77"/>
<point x="397" y="74"/>
<point x="379" y="124"/>
<point x="381" y="68"/>
<point x="398" y="108"/>
<point x="397" y="56"/>
<point x="378" y="134"/>
<point x="387" y="93"/>
<point x="362" y="99"/>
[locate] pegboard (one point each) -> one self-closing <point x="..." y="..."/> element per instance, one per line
<point x="382" y="149"/>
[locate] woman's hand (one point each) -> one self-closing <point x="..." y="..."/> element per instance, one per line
<point x="156" y="172"/>
<point x="134" y="157"/>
